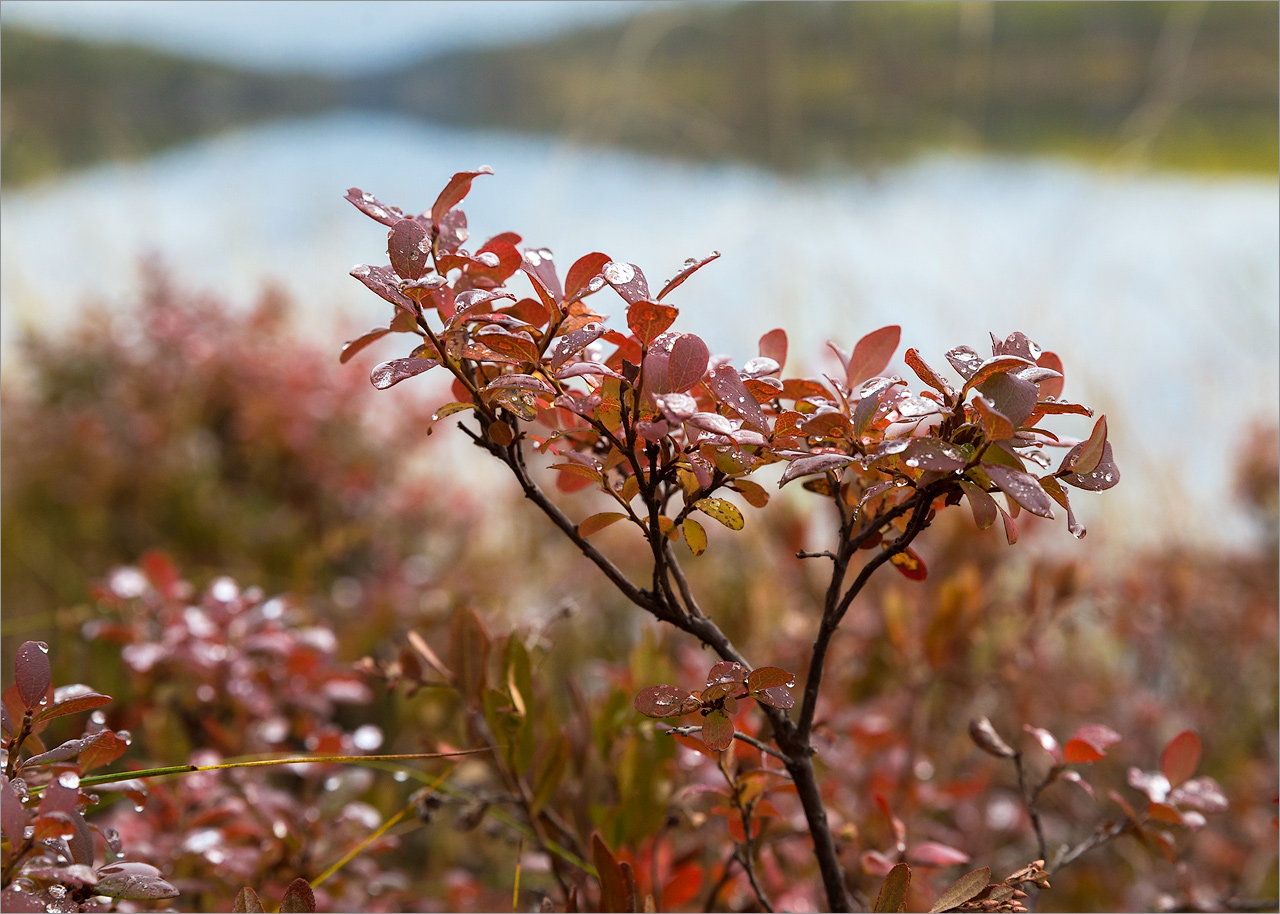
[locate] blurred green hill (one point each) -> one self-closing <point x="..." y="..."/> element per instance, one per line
<point x="793" y="86"/>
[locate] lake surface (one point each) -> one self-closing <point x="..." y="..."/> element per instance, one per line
<point x="1160" y="292"/>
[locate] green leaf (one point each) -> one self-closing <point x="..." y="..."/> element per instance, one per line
<point x="726" y="512"/>
<point x="893" y="891"/>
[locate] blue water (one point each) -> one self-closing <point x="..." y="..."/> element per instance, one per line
<point x="1160" y="292"/>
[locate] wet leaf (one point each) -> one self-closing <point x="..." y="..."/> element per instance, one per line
<point x="717" y="731"/>
<point x="892" y="897"/>
<point x="768" y="677"/>
<point x="776" y="697"/>
<point x="1059" y="494"/>
<point x="1046" y="740"/>
<point x="985" y="737"/>
<point x="981" y="504"/>
<point x="691" y="266"/>
<point x="584" y="269"/>
<point x="1012" y="396"/>
<point x="1106" y="475"/>
<point x="773" y="345"/>
<point x="298" y="898"/>
<point x="597" y="522"/>
<point x="1202" y="794"/>
<point x="1051" y="387"/>
<point x="517" y="348"/>
<point x="1087" y="457"/>
<point x="247" y="902"/>
<point x="389" y="374"/>
<point x="727" y="386"/>
<point x="572" y="343"/>
<point x="409" y="247"/>
<point x="32" y="674"/>
<point x="995" y="424"/>
<point x="1022" y="487"/>
<point x="991" y="367"/>
<point x="1180" y="758"/>
<point x="755" y="494"/>
<point x="931" y="853"/>
<point x="815" y="463"/>
<point x="726" y="512"/>
<point x="455" y="191"/>
<point x="520" y="382"/>
<point x="133" y="880"/>
<point x="967" y="887"/>
<point x="927" y="374"/>
<point x="648" y="319"/>
<point x="103" y="750"/>
<point x="374" y="208"/>
<point x="965" y="361"/>
<point x="933" y="454"/>
<point x="384" y="282"/>
<point x="13" y="816"/>
<point x="910" y="564"/>
<point x="872" y="354"/>
<point x="694" y="536"/>
<point x="1089" y="744"/>
<point x="663" y="701"/>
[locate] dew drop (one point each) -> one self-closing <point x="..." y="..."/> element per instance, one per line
<point x="400" y="776"/>
<point x="279" y="829"/>
<point x="69" y="779"/>
<point x="619" y="274"/>
<point x="44" y="647"/>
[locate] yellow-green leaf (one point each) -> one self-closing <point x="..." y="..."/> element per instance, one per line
<point x="694" y="536"/>
<point x="724" y="511"/>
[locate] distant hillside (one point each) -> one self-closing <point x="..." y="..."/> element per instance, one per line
<point x="792" y="86"/>
<point x="798" y="85"/>
<point x="66" y="103"/>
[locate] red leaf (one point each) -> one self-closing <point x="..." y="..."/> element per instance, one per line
<point x="910" y="564"/>
<point x="455" y="191"/>
<point x="892" y="897"/>
<point x="691" y="266"/>
<point x="298" y="898"/>
<point x="384" y="282"/>
<point x="391" y="373"/>
<point x="409" y="247"/>
<point x="1089" y="744"/>
<point x="814" y="463"/>
<point x="374" y="208"/>
<point x="584" y="269"/>
<point x="541" y="263"/>
<point x="1001" y="364"/>
<point x="648" y="319"/>
<point x="727" y="385"/>
<point x="351" y="348"/>
<point x="995" y="424"/>
<point x="927" y="374"/>
<point x="768" y="677"/>
<point x="32" y="674"/>
<point x="1180" y="757"/>
<point x="597" y="522"/>
<point x="773" y="345"/>
<point x="1087" y="457"/>
<point x="663" y="701"/>
<point x="686" y="363"/>
<point x="717" y="730"/>
<point x="1104" y="477"/>
<point x="1050" y="387"/>
<point x="627" y="280"/>
<point x="614" y="895"/>
<point x="872" y="354"/>
<point x="1022" y="487"/>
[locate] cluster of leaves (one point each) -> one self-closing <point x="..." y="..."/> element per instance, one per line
<point x="727" y="683"/>
<point x="658" y="414"/>
<point x="54" y="860"/>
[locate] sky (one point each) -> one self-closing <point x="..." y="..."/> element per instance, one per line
<point x="335" y="37"/>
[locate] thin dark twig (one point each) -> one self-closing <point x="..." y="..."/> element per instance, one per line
<point x="1033" y="808"/>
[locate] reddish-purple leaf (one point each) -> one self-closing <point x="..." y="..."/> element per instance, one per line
<point x="584" y="269"/>
<point x="662" y="701"/>
<point x="982" y="505"/>
<point x="1046" y="740"/>
<point x="726" y="671"/>
<point x="372" y="207"/>
<point x="1011" y="395"/>
<point x="31" y="673"/>
<point x="135" y="880"/>
<point x="687" y="361"/>
<point x="614" y="893"/>
<point x="247" y="902"/>
<point x="648" y="319"/>
<point x="391" y="373"/>
<point x="541" y="263"/>
<point x="574" y="342"/>
<point x="520" y="382"/>
<point x="1051" y="387"/>
<point x="727" y="385"/>
<point x="13" y="817"/>
<point x="773" y="345"/>
<point x="627" y="280"/>
<point x="992" y="367"/>
<point x="384" y="282"/>
<point x="933" y="454"/>
<point x="776" y="697"/>
<point x="409" y="247"/>
<point x="1088" y="455"/>
<point x="298" y="898"/>
<point x="872" y="354"/>
<point x="1180" y="757"/>
<point x="1022" y="487"/>
<point x="964" y="360"/>
<point x="1059" y="494"/>
<point x="931" y="853"/>
<point x="815" y="463"/>
<point x="1106" y="475"/>
<point x="455" y="191"/>
<point x="352" y="347"/>
<point x="995" y="424"/>
<point x="1202" y="794"/>
<point x="1089" y="744"/>
<point x="717" y="730"/>
<point x="691" y="266"/>
<point x="452" y="231"/>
